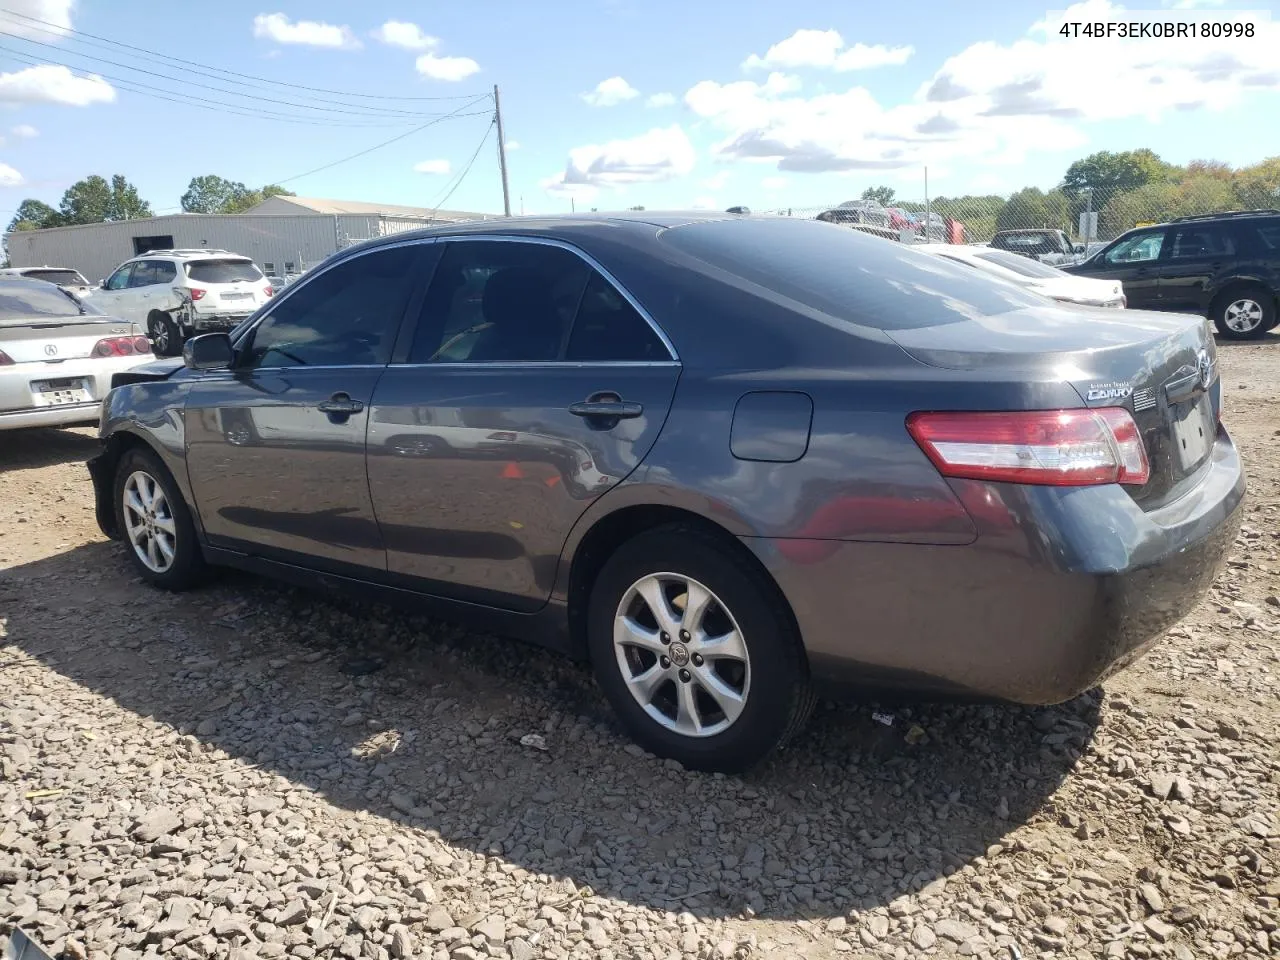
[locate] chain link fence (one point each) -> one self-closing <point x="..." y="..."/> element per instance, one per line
<point x="1094" y="216"/>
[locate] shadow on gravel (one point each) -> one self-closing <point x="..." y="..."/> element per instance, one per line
<point x="849" y="818"/>
<point x="43" y="447"/>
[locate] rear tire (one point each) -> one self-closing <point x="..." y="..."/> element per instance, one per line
<point x="729" y="684"/>
<point x="164" y="333"/>
<point x="155" y="524"/>
<point x="1244" y="312"/>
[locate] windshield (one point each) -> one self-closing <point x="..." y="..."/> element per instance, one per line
<point x="22" y="304"/>
<point x="223" y="271"/>
<point x="848" y="275"/>
<point x="1028" y="268"/>
<point x="57" y="276"/>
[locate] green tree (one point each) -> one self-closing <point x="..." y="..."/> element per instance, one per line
<point x="34" y="215"/>
<point x="213" y="194"/>
<point x="1259" y="185"/>
<point x="1107" y="174"/>
<point x="94" y="200"/>
<point x="882" y="195"/>
<point x="1026" y="208"/>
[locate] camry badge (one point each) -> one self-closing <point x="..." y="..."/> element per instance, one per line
<point x="1109" y="391"/>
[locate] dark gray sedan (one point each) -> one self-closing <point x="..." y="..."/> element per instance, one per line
<point x="729" y="461"/>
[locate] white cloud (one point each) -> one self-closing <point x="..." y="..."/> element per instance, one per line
<point x="436" y="167"/>
<point x="410" y="36"/>
<point x="10" y="177"/>
<point x="25" y="131"/>
<point x="774" y="184"/>
<point x="54" y="84"/>
<point x="660" y="100"/>
<point x="825" y="48"/>
<point x="513" y="144"/>
<point x="581" y="192"/>
<point x="451" y="69"/>
<point x="56" y="15"/>
<point x="717" y="180"/>
<point x="309" y="33"/>
<point x="611" y="92"/>
<point x="994" y="102"/>
<point x="663" y="153"/>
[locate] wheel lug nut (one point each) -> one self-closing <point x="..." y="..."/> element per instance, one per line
<point x="697" y="659"/>
<point x="685" y="676"/>
<point x="666" y="638"/>
<point x="665" y="661"/>
<point x="684" y="635"/>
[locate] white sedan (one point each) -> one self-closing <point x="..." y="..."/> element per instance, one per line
<point x="1040" y="277"/>
<point x="58" y="354"/>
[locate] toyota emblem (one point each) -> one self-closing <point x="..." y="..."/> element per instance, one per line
<point x="50" y="350"/>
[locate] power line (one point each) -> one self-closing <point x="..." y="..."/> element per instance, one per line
<point x="59" y="30"/>
<point x="465" y="170"/>
<point x="220" y="106"/>
<point x="387" y="143"/>
<point x="357" y="111"/>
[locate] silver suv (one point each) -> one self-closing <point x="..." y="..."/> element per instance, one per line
<point x="176" y="294"/>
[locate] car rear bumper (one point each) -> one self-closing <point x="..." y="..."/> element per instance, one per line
<point x="20" y="407"/>
<point x="1062" y="587"/>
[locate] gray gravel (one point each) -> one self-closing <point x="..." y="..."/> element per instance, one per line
<point x="213" y="775"/>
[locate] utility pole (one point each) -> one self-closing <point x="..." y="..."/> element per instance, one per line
<point x="502" y="153"/>
<point x="927" y="217"/>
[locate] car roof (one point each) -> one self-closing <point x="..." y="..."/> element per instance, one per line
<point x="188" y="255"/>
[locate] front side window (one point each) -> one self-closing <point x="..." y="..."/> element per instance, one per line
<point x="120" y="279"/>
<point x="1140" y="248"/>
<point x="496" y="301"/>
<point x="349" y="314"/>
<point x="1192" y="243"/>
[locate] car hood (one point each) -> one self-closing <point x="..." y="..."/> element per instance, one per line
<point x="1079" y="289"/>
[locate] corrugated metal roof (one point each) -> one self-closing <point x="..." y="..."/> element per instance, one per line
<point x="320" y="205"/>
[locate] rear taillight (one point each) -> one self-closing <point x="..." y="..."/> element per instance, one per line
<point x="1064" y="448"/>
<point x="196" y="293"/>
<point x="5" y="359"/>
<point x="121" y="347"/>
<point x="268" y="291"/>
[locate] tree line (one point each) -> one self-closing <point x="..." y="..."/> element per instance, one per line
<point x="98" y="200"/>
<point x="1125" y="188"/>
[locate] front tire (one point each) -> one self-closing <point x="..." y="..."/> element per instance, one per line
<point x="165" y="335"/>
<point x="1244" y="312"/>
<point x="696" y="651"/>
<point x="155" y="524"/>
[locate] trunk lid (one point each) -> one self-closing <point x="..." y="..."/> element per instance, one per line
<point x="50" y="340"/>
<point x="1162" y="367"/>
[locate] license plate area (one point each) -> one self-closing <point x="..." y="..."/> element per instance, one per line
<point x="59" y="392"/>
<point x="1193" y="433"/>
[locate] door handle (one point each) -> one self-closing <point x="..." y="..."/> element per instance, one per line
<point x="339" y="407"/>
<point x="606" y="409"/>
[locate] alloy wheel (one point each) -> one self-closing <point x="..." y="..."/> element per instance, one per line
<point x="160" y="336"/>
<point x="1243" y="315"/>
<point x="149" y="522"/>
<point x="682" y="655"/>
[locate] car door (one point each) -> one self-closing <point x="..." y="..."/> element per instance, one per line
<point x="146" y="292"/>
<point x="532" y="386"/>
<point x="1197" y="255"/>
<point x="276" y="445"/>
<point x="114" y="296"/>
<point x="1134" y="261"/>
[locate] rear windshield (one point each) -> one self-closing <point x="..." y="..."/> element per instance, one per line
<point x="56" y="276"/>
<point x="223" y="271"/>
<point x="20" y="304"/>
<point x="848" y="275"/>
<point x="1028" y="268"/>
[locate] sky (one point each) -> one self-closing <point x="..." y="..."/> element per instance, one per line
<point x="615" y="103"/>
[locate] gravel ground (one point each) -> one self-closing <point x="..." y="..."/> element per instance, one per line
<point x="249" y="771"/>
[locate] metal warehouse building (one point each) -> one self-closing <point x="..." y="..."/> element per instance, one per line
<point x="282" y="234"/>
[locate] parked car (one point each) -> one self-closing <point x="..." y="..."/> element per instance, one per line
<point x="779" y="421"/>
<point x="65" y="277"/>
<point x="58" y="354"/>
<point x="1041" y="278"/>
<point x="1225" y="266"/>
<point x="1048" y="246"/>
<point x="178" y="293"/>
<point x="857" y="211"/>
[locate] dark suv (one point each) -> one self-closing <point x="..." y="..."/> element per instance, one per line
<point x="1225" y="266"/>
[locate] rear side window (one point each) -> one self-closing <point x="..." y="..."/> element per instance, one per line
<point x="1204" y="240"/>
<point x="1268" y="233"/>
<point x="223" y="271"/>
<point x="608" y="328"/>
<point x="848" y="275"/>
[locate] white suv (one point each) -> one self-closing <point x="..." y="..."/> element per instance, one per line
<point x="176" y="294"/>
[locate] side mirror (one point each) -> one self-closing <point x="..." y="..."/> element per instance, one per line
<point x="102" y="282"/>
<point x="210" y="351"/>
